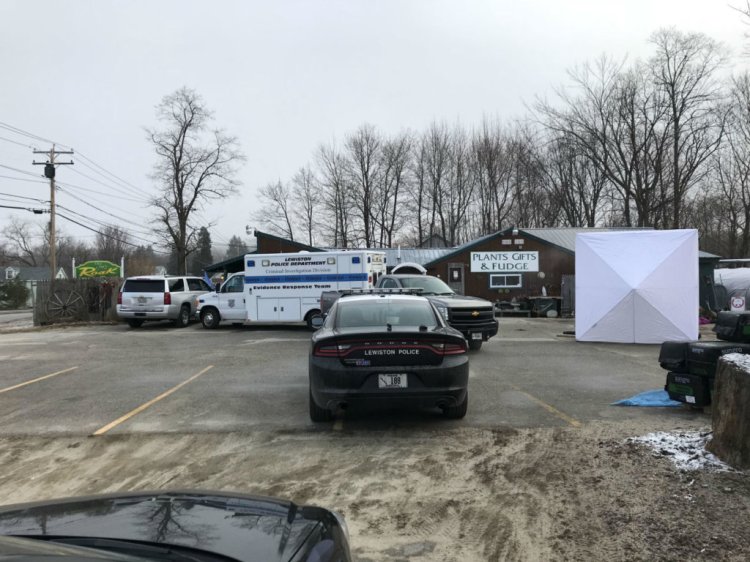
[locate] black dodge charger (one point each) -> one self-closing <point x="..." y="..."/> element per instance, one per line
<point x="387" y="348"/>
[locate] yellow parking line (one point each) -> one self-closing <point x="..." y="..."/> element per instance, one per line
<point x="151" y="402"/>
<point x="551" y="409"/>
<point x="15" y="386"/>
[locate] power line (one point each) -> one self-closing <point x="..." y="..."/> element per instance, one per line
<point x="16" y="142"/>
<point x="28" y="134"/>
<point x="118" y="189"/>
<point x="22" y="197"/>
<point x="119" y="179"/>
<point x="35" y="211"/>
<point x="101" y="210"/>
<point x="70" y="185"/>
<point x="22" y="179"/>
<point x="19" y="171"/>
<point x="106" y="235"/>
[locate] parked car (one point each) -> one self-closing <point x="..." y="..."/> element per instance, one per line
<point x="172" y="525"/>
<point x="156" y="297"/>
<point x="387" y="349"/>
<point x="472" y="316"/>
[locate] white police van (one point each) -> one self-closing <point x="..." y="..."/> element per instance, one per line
<point x="287" y="287"/>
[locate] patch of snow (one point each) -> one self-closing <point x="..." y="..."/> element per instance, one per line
<point x="687" y="450"/>
<point x="739" y="359"/>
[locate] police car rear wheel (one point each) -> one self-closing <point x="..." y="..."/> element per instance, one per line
<point x="210" y="318"/>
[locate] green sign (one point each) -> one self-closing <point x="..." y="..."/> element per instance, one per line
<point x="97" y="268"/>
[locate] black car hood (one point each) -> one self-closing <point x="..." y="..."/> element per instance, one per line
<point x="238" y="526"/>
<point x="458" y="300"/>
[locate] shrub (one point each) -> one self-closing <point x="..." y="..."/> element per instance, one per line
<point x="13" y="294"/>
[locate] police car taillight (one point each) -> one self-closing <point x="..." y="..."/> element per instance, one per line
<point x="326" y="351"/>
<point x="119" y="298"/>
<point x="450" y="348"/>
<point x="167" y="298"/>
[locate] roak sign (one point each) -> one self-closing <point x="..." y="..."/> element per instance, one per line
<point x="494" y="262"/>
<point x="97" y="268"/>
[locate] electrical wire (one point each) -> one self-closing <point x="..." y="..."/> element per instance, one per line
<point x="101" y="210"/>
<point x="18" y="131"/>
<point x="22" y="197"/>
<point x="117" y="189"/>
<point x="18" y="143"/>
<point x="106" y="235"/>
<point x="98" y="192"/>
<point x="19" y="170"/>
<point x="123" y="182"/>
<point x="23" y="179"/>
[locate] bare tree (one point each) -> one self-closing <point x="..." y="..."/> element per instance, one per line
<point x="277" y="211"/>
<point x="307" y="198"/>
<point x="21" y="248"/>
<point x="492" y="162"/>
<point x="684" y="69"/>
<point x="337" y="195"/>
<point x="395" y="157"/>
<point x="363" y="153"/>
<point x="112" y="243"/>
<point x="195" y="163"/>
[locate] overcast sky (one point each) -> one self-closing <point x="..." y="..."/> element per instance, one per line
<point x="285" y="76"/>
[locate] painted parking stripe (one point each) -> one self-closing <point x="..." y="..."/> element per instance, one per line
<point x="148" y="404"/>
<point x="32" y="381"/>
<point x="551" y="409"/>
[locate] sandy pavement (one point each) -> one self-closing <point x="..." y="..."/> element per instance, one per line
<point x="463" y="494"/>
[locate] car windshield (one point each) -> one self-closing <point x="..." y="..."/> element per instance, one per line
<point x="429" y="285"/>
<point x="378" y="313"/>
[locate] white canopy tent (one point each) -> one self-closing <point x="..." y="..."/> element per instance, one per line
<point x="637" y="286"/>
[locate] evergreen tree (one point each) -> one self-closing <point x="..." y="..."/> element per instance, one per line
<point x="202" y="257"/>
<point x="236" y="248"/>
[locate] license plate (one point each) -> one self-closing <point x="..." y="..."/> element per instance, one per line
<point x="476" y="336"/>
<point x="392" y="381"/>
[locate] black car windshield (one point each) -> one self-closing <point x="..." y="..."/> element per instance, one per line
<point x="429" y="285"/>
<point x="357" y="314"/>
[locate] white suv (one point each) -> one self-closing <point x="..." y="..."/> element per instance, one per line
<point x="156" y="297"/>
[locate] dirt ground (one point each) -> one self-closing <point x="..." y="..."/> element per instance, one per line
<point x="465" y="494"/>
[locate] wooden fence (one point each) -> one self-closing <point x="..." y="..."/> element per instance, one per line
<point x="76" y="300"/>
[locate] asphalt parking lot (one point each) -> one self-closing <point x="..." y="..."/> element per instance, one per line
<point x="94" y="380"/>
<point x="104" y="408"/>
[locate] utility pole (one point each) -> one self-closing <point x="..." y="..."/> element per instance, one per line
<point x="49" y="172"/>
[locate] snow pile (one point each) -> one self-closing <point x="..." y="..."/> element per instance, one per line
<point x="739" y="359"/>
<point x="687" y="450"/>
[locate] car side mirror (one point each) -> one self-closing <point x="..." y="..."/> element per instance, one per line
<point x="318" y="321"/>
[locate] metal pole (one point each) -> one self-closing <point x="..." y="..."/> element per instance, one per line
<point x="52" y="254"/>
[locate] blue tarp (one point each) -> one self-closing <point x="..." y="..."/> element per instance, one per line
<point x="658" y="398"/>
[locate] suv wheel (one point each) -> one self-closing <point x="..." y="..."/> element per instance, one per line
<point x="210" y="318"/>
<point x="184" y="318"/>
<point x="135" y="323"/>
<point x="459" y="411"/>
<point x="318" y="414"/>
<point x="475" y="345"/>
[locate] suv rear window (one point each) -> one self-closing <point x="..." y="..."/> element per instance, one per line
<point x="143" y="286"/>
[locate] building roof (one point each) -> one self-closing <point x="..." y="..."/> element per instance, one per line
<point x="563" y="238"/>
<point x="33" y="273"/>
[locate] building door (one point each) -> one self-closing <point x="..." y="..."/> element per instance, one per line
<point x="456" y="277"/>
